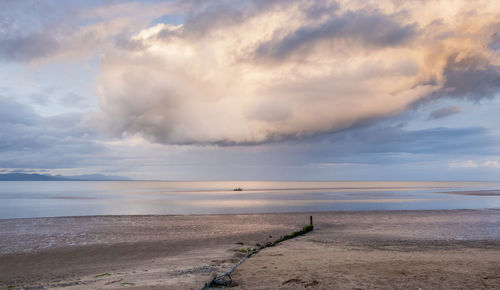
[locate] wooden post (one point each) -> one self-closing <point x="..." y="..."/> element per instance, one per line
<point x="311" y="220"/>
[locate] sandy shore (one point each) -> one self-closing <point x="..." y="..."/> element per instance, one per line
<point x="391" y="250"/>
<point x="170" y="252"/>
<point x="384" y="249"/>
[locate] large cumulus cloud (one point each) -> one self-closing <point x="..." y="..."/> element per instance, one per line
<point x="267" y="71"/>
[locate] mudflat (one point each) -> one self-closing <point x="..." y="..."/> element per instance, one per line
<point x="170" y="252"/>
<point x="373" y="249"/>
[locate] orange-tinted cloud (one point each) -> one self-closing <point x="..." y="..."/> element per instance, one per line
<point x="267" y="72"/>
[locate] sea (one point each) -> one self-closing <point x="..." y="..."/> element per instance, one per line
<point x="28" y="199"/>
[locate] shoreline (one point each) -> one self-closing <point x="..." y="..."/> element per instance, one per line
<point x="257" y="213"/>
<point x="172" y="251"/>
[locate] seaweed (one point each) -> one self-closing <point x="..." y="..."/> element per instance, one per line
<point x="245" y="250"/>
<point x="221" y="280"/>
<point x="304" y="230"/>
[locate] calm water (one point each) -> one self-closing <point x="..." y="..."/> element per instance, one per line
<point x="61" y="198"/>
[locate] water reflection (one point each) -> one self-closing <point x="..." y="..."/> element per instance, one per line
<point x="36" y="199"/>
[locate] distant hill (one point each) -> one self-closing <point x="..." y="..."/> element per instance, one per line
<point x="27" y="177"/>
<point x="48" y="177"/>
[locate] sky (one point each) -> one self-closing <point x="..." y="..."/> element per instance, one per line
<point x="251" y="90"/>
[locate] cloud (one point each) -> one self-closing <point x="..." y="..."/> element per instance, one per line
<point x="28" y="140"/>
<point x="495" y="42"/>
<point x="14" y="113"/>
<point x="463" y="164"/>
<point x="366" y="28"/>
<point x="27" y="47"/>
<point x="74" y="100"/>
<point x="70" y="30"/>
<point x="444" y="112"/>
<point x="256" y="73"/>
<point x="472" y="78"/>
<point x="382" y="143"/>
<point x="69" y="144"/>
<point x="475" y="164"/>
<point x="492" y="164"/>
<point x="40" y="99"/>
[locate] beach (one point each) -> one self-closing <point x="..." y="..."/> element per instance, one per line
<point x="149" y="144"/>
<point x="122" y="251"/>
<point x="365" y="249"/>
<point x="398" y="250"/>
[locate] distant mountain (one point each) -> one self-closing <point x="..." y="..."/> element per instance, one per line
<point x="28" y="177"/>
<point x="48" y="177"/>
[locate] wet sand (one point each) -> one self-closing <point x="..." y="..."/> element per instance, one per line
<point x="170" y="252"/>
<point x="378" y="249"/>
